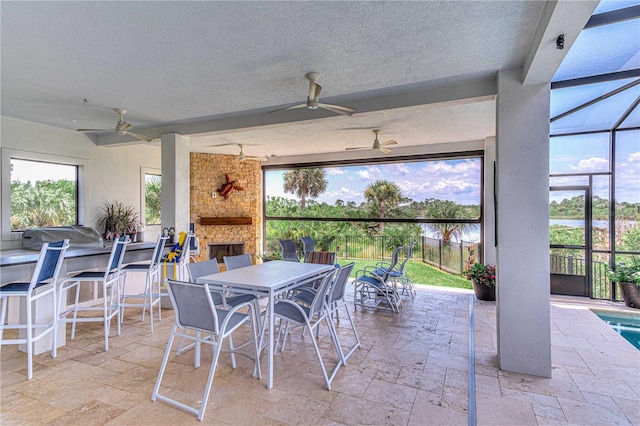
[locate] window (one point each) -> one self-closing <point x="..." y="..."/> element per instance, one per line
<point x="42" y="194"/>
<point x="152" y="196"/>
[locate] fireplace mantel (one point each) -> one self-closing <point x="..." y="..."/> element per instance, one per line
<point x="226" y="221"/>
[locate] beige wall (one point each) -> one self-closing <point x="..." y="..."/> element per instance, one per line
<point x="207" y="175"/>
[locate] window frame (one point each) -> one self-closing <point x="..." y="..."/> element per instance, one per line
<point x="144" y="171"/>
<point x="480" y="154"/>
<point x="8" y="154"/>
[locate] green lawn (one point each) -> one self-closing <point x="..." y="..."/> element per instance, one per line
<point x="420" y="273"/>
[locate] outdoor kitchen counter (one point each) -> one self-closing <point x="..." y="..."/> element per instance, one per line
<point x="18" y="264"/>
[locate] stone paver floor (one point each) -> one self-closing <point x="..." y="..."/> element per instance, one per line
<point x="412" y="369"/>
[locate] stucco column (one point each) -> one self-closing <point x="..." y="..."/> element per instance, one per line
<point x="522" y="148"/>
<point x="175" y="182"/>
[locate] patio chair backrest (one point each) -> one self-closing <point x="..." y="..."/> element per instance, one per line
<point x="200" y="269"/>
<point x="321" y="257"/>
<point x="307" y="245"/>
<point x="49" y="263"/>
<point x="392" y="263"/>
<point x="409" y="254"/>
<point x="238" y="261"/>
<point x="340" y="282"/>
<point x="192" y="307"/>
<point x="288" y="248"/>
<point x="321" y="294"/>
<point x="158" y="250"/>
<point x="117" y="254"/>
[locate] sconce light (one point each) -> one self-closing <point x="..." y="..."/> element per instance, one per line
<point x="560" y="42"/>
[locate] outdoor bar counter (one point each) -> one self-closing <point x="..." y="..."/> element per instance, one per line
<point x="18" y="265"/>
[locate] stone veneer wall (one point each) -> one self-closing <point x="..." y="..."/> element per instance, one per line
<point x="207" y="175"/>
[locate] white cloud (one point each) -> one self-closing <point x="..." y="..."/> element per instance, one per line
<point x="628" y="179"/>
<point x="332" y="171"/>
<point x="371" y="172"/>
<point x="344" y="194"/>
<point x="592" y="164"/>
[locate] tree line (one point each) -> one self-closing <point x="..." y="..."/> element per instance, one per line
<point x="382" y="200"/>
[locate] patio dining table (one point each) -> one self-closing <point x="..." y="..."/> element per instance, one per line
<point x="269" y="280"/>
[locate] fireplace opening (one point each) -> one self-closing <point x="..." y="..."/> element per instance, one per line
<point x="219" y="250"/>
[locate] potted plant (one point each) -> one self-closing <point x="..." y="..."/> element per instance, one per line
<point x="484" y="280"/>
<point x="268" y="256"/>
<point x="116" y="218"/>
<point x="627" y="275"/>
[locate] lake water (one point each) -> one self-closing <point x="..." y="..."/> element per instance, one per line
<point x="474" y="236"/>
<point x="574" y="223"/>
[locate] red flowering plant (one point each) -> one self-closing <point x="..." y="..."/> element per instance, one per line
<point x="482" y="274"/>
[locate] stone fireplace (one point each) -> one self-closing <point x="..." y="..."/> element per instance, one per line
<point x="236" y="219"/>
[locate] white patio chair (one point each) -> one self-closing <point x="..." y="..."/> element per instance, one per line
<point x="220" y="300"/>
<point x="110" y="285"/>
<point x="151" y="296"/>
<point x="195" y="312"/>
<point x="335" y="301"/>
<point x="399" y="274"/>
<point x="42" y="284"/>
<point x="291" y="313"/>
<point x="372" y="287"/>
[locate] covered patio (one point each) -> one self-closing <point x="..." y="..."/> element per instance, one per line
<point x="412" y="369"/>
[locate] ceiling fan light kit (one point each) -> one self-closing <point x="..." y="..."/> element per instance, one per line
<point x="313" y="99"/>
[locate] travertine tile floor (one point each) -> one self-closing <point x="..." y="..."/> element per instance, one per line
<point x="411" y="370"/>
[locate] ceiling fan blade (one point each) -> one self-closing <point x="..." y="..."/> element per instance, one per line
<point x="385" y="150"/>
<point x="389" y="143"/>
<point x="358" y="147"/>
<point x="141" y="137"/>
<point x="123" y="126"/>
<point x="314" y="91"/>
<point x="339" y="109"/>
<point x="256" y="158"/>
<point x="291" y="107"/>
<point x="94" y="130"/>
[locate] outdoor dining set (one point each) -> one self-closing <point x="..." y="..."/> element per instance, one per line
<point x="262" y="303"/>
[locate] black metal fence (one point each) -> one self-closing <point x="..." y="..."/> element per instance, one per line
<point x="455" y="257"/>
<point x="571" y="265"/>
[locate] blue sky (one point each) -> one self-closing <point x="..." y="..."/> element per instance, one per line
<point x="590" y="154"/>
<point x="455" y="180"/>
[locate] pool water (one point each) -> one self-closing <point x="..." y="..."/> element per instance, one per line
<point x="628" y="326"/>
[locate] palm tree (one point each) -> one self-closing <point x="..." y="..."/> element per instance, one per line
<point x="305" y="183"/>
<point x="45" y="203"/>
<point x="445" y="209"/>
<point x="383" y="196"/>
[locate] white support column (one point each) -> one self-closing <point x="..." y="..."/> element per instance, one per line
<point x="175" y="182"/>
<point x="489" y="214"/>
<point x="523" y="293"/>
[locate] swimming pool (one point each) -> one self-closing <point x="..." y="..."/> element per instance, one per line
<point x="628" y="326"/>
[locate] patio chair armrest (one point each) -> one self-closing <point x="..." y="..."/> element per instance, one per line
<point x="372" y="271"/>
<point x="383" y="264"/>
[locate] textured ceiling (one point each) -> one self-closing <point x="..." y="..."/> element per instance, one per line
<point x="181" y="66"/>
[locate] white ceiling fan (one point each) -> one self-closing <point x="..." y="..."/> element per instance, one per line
<point x="241" y="155"/>
<point x="382" y="147"/>
<point x="122" y="128"/>
<point x="313" y="100"/>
